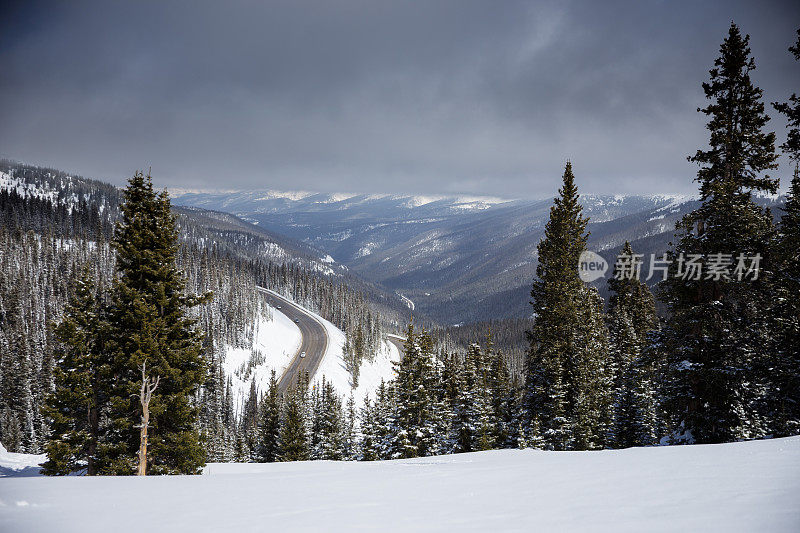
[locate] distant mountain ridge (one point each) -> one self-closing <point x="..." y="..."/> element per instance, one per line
<point x="458" y="259"/>
<point x="204" y="227"/>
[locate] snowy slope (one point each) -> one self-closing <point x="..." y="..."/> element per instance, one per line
<point x="19" y="464"/>
<point x="371" y="374"/>
<point x="277" y="339"/>
<point x="749" y="486"/>
<point x="26" y="190"/>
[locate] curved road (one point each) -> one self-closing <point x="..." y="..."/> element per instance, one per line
<point x="314" y="339"/>
<point x="398" y="341"/>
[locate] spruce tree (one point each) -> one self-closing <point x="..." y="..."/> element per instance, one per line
<point x="566" y="388"/>
<point x="350" y="450"/>
<point x="15" y="363"/>
<point x="150" y="323"/>
<point x="295" y="443"/>
<point x="716" y="336"/>
<point x="785" y="312"/>
<point x="631" y="320"/>
<point x="369" y="443"/>
<point x="591" y="382"/>
<point x="414" y="436"/>
<point x="269" y="433"/>
<point x="466" y="414"/>
<point x="785" y="395"/>
<point x="503" y="402"/>
<point x="248" y="423"/>
<point x="330" y="428"/>
<point x="82" y="385"/>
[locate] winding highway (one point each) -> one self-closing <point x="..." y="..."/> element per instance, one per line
<point x="314" y="339"/>
<point x="398" y="341"/>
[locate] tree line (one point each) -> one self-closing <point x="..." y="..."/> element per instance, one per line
<point x="725" y="364"/>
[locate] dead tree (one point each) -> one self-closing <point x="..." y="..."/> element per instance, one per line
<point x="145" y="394"/>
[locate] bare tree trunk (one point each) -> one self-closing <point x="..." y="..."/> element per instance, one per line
<point x="145" y="394"/>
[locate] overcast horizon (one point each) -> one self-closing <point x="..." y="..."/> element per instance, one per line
<point x="447" y="98"/>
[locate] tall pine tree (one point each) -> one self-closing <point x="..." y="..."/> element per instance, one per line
<point x="567" y="389"/>
<point x="295" y="442"/>
<point x="269" y="432"/>
<point x="150" y="323"/>
<point x="785" y="408"/>
<point x="717" y="333"/>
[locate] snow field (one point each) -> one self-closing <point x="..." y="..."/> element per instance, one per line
<point x="745" y="486"/>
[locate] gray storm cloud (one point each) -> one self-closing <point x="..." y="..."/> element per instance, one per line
<point x="433" y="97"/>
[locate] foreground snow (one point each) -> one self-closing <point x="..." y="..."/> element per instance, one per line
<point x="750" y="486"/>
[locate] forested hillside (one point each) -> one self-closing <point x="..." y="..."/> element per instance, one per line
<point x="54" y="224"/>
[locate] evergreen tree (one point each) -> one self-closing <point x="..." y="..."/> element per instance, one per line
<point x="718" y="329"/>
<point x="294" y="444"/>
<point x="415" y="420"/>
<point x="329" y="430"/>
<point x="370" y="445"/>
<point x="15" y="363"/>
<point x="150" y="322"/>
<point x="212" y="402"/>
<point x="631" y="320"/>
<point x="385" y="419"/>
<point x="376" y="421"/>
<point x="465" y="409"/>
<point x="785" y="374"/>
<point x="82" y="385"/>
<point x="503" y="402"/>
<point x="566" y="389"/>
<point x="592" y="380"/>
<point x="792" y="111"/>
<point x="785" y="401"/>
<point x="270" y="429"/>
<point x="349" y="438"/>
<point x="248" y="427"/>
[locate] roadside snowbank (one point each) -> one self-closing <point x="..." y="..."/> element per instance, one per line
<point x="334" y="370"/>
<point x="275" y="341"/>
<point x="746" y="486"/>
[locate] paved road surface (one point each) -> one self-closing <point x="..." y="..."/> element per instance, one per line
<point x="314" y="342"/>
<point x="398" y="341"/>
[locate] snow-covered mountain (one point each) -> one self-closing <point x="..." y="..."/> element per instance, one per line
<point x="457" y="258"/>
<point x="203" y="226"/>
<point x="274" y="201"/>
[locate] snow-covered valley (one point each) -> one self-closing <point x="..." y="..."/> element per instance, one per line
<point x="745" y="486"/>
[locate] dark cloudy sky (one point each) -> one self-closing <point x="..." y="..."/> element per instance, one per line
<point x="426" y="97"/>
